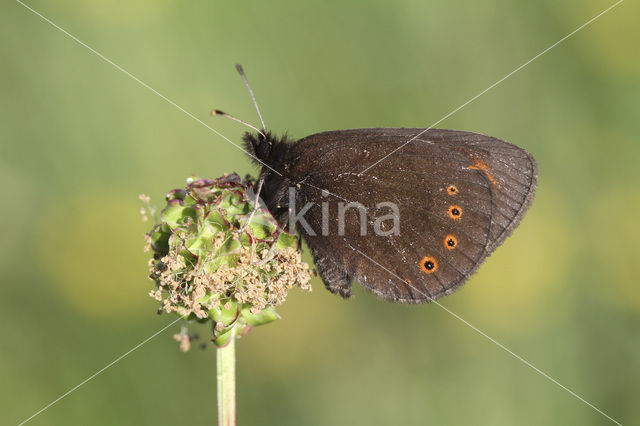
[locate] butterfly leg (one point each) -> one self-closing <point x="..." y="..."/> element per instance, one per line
<point x="255" y="206"/>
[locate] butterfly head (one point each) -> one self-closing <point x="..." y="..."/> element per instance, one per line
<point x="258" y="145"/>
<point x="265" y="148"/>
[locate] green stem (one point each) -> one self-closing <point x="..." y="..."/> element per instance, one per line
<point x="226" y="365"/>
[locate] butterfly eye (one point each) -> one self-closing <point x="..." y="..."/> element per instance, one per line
<point x="452" y="190"/>
<point x="454" y="212"/>
<point x="428" y="264"/>
<point x="450" y="242"/>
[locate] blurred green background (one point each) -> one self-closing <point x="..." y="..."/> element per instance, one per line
<point x="80" y="140"/>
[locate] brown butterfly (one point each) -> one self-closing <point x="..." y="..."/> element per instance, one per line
<point x="458" y="195"/>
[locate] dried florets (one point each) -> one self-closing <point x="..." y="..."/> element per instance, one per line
<point x="209" y="264"/>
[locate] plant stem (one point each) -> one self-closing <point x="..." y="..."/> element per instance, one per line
<point x="226" y="365"/>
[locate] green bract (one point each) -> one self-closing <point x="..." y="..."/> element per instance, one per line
<point x="211" y="264"/>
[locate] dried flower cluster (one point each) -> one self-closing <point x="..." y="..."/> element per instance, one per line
<point x="215" y="259"/>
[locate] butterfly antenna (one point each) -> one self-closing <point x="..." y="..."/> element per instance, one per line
<point x="246" y="83"/>
<point x="224" y="114"/>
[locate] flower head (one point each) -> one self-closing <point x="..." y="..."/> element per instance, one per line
<point x="217" y="260"/>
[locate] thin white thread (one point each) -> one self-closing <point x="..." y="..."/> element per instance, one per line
<point x="492" y="86"/>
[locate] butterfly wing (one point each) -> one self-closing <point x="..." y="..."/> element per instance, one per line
<point x="458" y="195"/>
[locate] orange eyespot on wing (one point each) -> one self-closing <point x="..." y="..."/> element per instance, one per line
<point x="479" y="165"/>
<point x="452" y="190"/>
<point x="428" y="264"/>
<point x="450" y="242"/>
<point x="455" y="212"/>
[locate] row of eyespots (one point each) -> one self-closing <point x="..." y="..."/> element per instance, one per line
<point x="454" y="212"/>
<point x="429" y="264"/>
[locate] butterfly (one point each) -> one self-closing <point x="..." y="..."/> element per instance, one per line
<point x="457" y="195"/>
